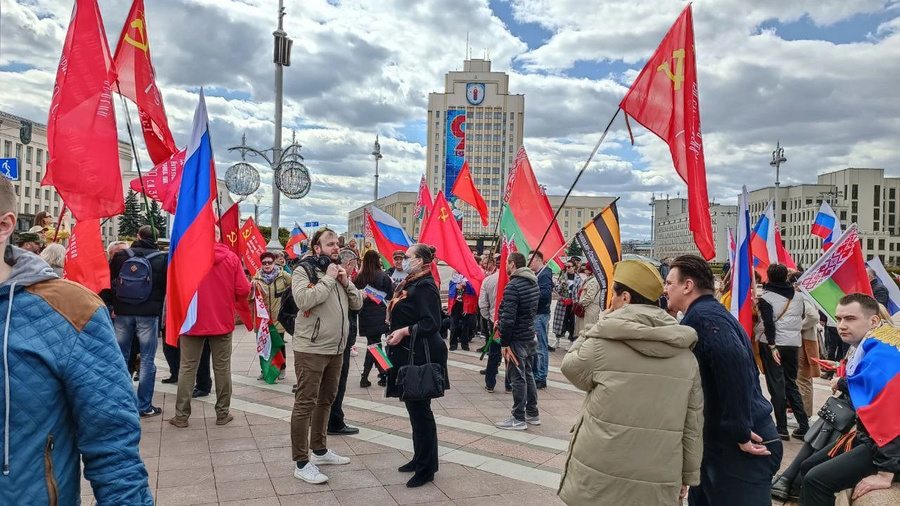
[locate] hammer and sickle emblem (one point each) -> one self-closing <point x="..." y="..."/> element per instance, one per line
<point x="141" y="44"/>
<point x="678" y="76"/>
<point x="444" y="214"/>
<point x="246" y="234"/>
<point x="232" y="237"/>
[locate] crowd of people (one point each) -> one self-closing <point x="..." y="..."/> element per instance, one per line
<point x="674" y="408"/>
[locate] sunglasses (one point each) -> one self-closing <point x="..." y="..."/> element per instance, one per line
<point x="268" y="262"/>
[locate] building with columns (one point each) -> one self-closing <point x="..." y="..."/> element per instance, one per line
<point x="672" y="234"/>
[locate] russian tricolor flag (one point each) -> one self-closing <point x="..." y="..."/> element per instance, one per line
<point x="192" y="247"/>
<point x="766" y="244"/>
<point x="294" y="248"/>
<point x="386" y="232"/>
<point x="742" y="269"/>
<point x="893" y="306"/>
<point x="827" y="225"/>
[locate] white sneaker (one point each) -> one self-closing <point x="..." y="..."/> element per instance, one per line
<point x="282" y="374"/>
<point x="310" y="474"/>
<point x="330" y="458"/>
<point x="533" y="420"/>
<point x="511" y="424"/>
<point x="353" y="352"/>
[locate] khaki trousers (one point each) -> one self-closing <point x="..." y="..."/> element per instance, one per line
<point x="191" y="349"/>
<point x="318" y="377"/>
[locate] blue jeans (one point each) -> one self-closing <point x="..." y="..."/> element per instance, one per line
<point x="542" y="362"/>
<point x="147" y="329"/>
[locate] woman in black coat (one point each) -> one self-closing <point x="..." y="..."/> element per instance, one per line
<point x="373" y="314"/>
<point x="416" y="311"/>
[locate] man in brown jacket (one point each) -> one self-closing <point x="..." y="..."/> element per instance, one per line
<point x="638" y="439"/>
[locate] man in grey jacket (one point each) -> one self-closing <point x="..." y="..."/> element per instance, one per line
<point x="323" y="293"/>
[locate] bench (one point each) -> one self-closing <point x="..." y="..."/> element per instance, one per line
<point x="887" y="497"/>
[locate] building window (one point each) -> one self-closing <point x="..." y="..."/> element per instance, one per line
<point x="870" y="243"/>
<point x="854" y="218"/>
<point x="19" y="152"/>
<point x="877" y="194"/>
<point x="46" y="194"/>
<point x="37" y="176"/>
<point x="437" y="114"/>
<point x="27" y="208"/>
<point x="27" y="191"/>
<point x="844" y="216"/>
<point x="876" y="214"/>
<point x="27" y="175"/>
<point x="855" y="189"/>
<point x="7" y="149"/>
<point x="56" y="211"/>
<point x="29" y="151"/>
<point x="55" y="197"/>
<point x="40" y="157"/>
<point x="881" y="244"/>
<point x="17" y="189"/>
<point x="854" y="207"/>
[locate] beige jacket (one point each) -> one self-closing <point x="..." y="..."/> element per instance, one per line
<point x="271" y="295"/>
<point x="323" y="323"/>
<point x="590" y="301"/>
<point x="638" y="437"/>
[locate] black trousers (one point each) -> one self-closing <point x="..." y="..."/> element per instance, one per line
<point x="462" y="327"/>
<point x="493" y="367"/>
<point x="424" y="436"/>
<point x="369" y="362"/>
<point x="173" y="358"/>
<point x="824" y="476"/>
<point x="793" y="470"/>
<point x="204" y="378"/>
<point x="336" y="418"/>
<point x="569" y="324"/>
<point x="729" y="476"/>
<point x="781" y="381"/>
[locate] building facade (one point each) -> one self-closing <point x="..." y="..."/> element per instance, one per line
<point x="32" y="161"/>
<point x="476" y="120"/>
<point x="672" y="234"/>
<point x="579" y="211"/>
<point x="858" y="195"/>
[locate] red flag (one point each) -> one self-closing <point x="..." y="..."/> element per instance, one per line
<point x="784" y="257"/>
<point x="86" y="262"/>
<point x="464" y="188"/>
<point x="252" y="245"/>
<point x="230" y="226"/>
<point x="665" y="99"/>
<point x="82" y="139"/>
<point x="163" y="181"/>
<point x="440" y="231"/>
<point x="423" y="200"/>
<point x="137" y="81"/>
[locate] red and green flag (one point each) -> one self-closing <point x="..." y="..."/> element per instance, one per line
<point x="380" y="356"/>
<point x="494" y="340"/>
<point x="839" y="272"/>
<point x="269" y="343"/>
<point x="528" y="214"/>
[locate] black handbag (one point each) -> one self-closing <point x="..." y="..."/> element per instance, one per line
<point x="420" y="382"/>
<point x="838" y="413"/>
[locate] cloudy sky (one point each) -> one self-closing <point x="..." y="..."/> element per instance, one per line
<point x="818" y="75"/>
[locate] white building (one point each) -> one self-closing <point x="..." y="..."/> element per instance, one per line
<point x="477" y="120"/>
<point x="858" y="195"/>
<point x="671" y="230"/>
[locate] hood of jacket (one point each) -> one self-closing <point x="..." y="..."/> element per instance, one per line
<point x="29" y="269"/>
<point x="786" y="290"/>
<point x="221" y="253"/>
<point x="646" y="329"/>
<point x="524" y="272"/>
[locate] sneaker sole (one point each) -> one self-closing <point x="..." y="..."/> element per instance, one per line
<point x="329" y="463"/>
<point x="314" y="482"/>
<point x="523" y="427"/>
<point x="538" y="422"/>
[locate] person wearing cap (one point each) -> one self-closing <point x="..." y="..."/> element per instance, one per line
<point x="638" y="439"/>
<point x="29" y="241"/>
<point x="396" y="272"/>
<point x="39" y="231"/>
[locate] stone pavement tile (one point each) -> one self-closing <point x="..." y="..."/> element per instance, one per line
<point x="151" y="464"/>
<point x="169" y="448"/>
<point x="383" y="460"/>
<point x="275" y="441"/>
<point x="241" y="472"/>
<point x="557" y="462"/>
<point x="474" y="486"/>
<point x="426" y="494"/>
<point x="276" y="455"/>
<point x="88" y="500"/>
<point x="264" y="501"/>
<point x="366" y="448"/>
<point x="456" y="437"/>
<point x="227" y="432"/>
<point x="270" y="430"/>
<point x="235" y="458"/>
<point x="339" y="479"/>
<point x="245" y="489"/>
<point x="390" y="476"/>
<point x="184" y="477"/>
<point x="261" y="420"/>
<point x="195" y="431"/>
<point x="290" y="486"/>
<point x="375" y="496"/>
<point x="201" y="493"/>
<point x="326" y="498"/>
<point x="190" y="461"/>
<point x="232" y="445"/>
<point x="394" y="424"/>
<point x="363" y="416"/>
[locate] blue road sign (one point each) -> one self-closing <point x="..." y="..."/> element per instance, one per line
<point x="310" y="224"/>
<point x="9" y="168"/>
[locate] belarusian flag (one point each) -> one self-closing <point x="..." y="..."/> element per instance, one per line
<point x="381" y="358"/>
<point x="839" y="272"/>
<point x="494" y="340"/>
<point x="268" y="342"/>
<point x="527" y="214"/>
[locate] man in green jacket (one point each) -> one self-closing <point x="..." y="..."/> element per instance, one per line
<point x="323" y="293"/>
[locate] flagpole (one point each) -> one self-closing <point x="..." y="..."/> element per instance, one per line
<point x="59" y="222"/>
<point x="580" y="172"/>
<point x="137" y="160"/>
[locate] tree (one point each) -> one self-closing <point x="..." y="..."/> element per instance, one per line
<point x="131" y="220"/>
<point x="158" y="220"/>
<point x="575" y="249"/>
<point x="283" y="233"/>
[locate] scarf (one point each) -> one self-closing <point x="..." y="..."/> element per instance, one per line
<point x="400" y="293"/>
<point x="270" y="277"/>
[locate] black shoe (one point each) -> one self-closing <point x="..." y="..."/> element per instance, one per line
<point x="453" y="347"/>
<point x="198" y="393"/>
<point x="784" y="435"/>
<point x="551" y="348"/>
<point x="799" y="434"/>
<point x="780" y="488"/>
<point x="346" y="430"/>
<point x="364" y="383"/>
<point x="382" y="382"/>
<point x="418" y="481"/>
<point x="466" y="348"/>
<point x="540" y="385"/>
<point x="294" y="389"/>
<point x="135" y="376"/>
<point x="482" y="372"/>
<point x="794" y="494"/>
<point x="170" y="380"/>
<point x="153" y="411"/>
<point x="408" y="467"/>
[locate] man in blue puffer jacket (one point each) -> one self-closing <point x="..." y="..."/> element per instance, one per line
<point x="65" y="394"/>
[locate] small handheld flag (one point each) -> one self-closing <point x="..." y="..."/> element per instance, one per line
<point x="493" y="340"/>
<point x="381" y="358"/>
<point x="375" y="295"/>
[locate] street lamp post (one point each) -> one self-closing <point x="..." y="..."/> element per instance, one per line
<point x="777" y="159"/>
<point x="377" y="154"/>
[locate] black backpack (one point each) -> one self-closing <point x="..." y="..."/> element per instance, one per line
<point x="287" y="316"/>
<point x="135" y="282"/>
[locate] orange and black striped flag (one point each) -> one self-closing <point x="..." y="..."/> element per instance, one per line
<point x="602" y="245"/>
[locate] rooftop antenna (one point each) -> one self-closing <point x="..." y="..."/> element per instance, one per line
<point x="468" y="50"/>
<point x="487" y="55"/>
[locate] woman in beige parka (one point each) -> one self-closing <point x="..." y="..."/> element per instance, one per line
<point x="638" y="439"/>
